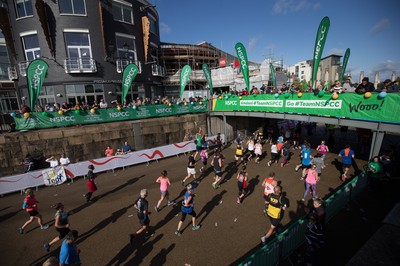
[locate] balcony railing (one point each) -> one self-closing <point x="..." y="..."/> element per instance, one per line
<point x="80" y="65"/>
<point x="157" y="70"/>
<point x="12" y="73"/>
<point x="122" y="63"/>
<point x="23" y="66"/>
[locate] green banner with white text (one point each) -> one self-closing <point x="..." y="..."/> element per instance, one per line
<point x="129" y="75"/>
<point x="322" y="34"/>
<point x="80" y="117"/>
<point x="207" y="74"/>
<point x="345" y="61"/>
<point x="244" y="65"/>
<point x="348" y="105"/>
<point x="184" y="79"/>
<point x="36" y="73"/>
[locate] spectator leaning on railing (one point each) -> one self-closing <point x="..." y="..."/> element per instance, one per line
<point x="365" y="86"/>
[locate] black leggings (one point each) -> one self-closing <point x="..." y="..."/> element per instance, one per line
<point x="184" y="215"/>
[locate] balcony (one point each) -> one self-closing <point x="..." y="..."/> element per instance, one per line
<point x="80" y="65"/>
<point x="23" y="66"/>
<point x="12" y="73"/>
<point x="157" y="70"/>
<point x="122" y="63"/>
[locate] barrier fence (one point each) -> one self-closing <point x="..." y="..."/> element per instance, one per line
<point x="35" y="178"/>
<point x="293" y="236"/>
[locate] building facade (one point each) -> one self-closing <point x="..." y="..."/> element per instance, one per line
<point x="86" y="43"/>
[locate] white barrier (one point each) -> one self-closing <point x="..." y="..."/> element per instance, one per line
<point x="34" y="179"/>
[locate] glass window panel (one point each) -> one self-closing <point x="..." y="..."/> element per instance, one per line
<point x="79" y="7"/>
<point x="127" y="15"/>
<point x="80" y="88"/>
<point x="31" y="41"/>
<point x="89" y="89"/>
<point x="70" y="89"/>
<point x="99" y="88"/>
<point x="65" y="6"/>
<point x="28" y="8"/>
<point x="76" y="38"/>
<point x="117" y="12"/>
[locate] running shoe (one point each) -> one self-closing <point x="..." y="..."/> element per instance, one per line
<point x="238" y="200"/>
<point x="155" y="208"/>
<point x="171" y="203"/>
<point x="178" y="233"/>
<point x="44" y="227"/>
<point x="47" y="247"/>
<point x="303" y="200"/>
<point x="297" y="168"/>
<point x="264" y="239"/>
<point x="344" y="177"/>
<point x="196" y="227"/>
<point x="20" y="230"/>
<point x="183" y="182"/>
<point x="269" y="163"/>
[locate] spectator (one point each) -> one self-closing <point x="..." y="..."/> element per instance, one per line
<point x="284" y="88"/>
<point x="126" y="148"/>
<point x="375" y="171"/>
<point x="109" y="151"/>
<point x="64" y="160"/>
<point x="365" y="86"/>
<point x="315" y="238"/>
<point x="52" y="161"/>
<point x="103" y="104"/>
<point x="28" y="163"/>
<point x="337" y="88"/>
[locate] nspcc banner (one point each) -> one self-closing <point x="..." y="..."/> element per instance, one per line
<point x="348" y="105"/>
<point x="36" y="73"/>
<point x="129" y="75"/>
<point x="345" y="61"/>
<point x="207" y="74"/>
<point x="322" y="34"/>
<point x="244" y="65"/>
<point x="184" y="79"/>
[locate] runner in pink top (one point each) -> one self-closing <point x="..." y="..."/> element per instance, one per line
<point x="164" y="183"/>
<point x="311" y="182"/>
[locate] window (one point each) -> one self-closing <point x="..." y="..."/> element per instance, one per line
<point x="153" y="25"/>
<point x="122" y="11"/>
<point x="46" y="96"/>
<point x="79" y="52"/>
<point x="87" y="93"/>
<point x="74" y="7"/>
<point x="126" y="47"/>
<point x="31" y="47"/>
<point x="24" y="8"/>
<point x="8" y="101"/>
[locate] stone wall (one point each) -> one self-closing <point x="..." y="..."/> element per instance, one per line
<point x="89" y="141"/>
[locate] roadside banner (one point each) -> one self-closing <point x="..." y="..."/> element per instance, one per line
<point x="185" y="75"/>
<point x="345" y="60"/>
<point x="244" y="65"/>
<point x="319" y="46"/>
<point x="36" y="73"/>
<point x="54" y="176"/>
<point x="272" y="75"/>
<point x="207" y="74"/>
<point x="129" y="75"/>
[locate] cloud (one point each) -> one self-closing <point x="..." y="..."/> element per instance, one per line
<point x="164" y="28"/>
<point x="386" y="68"/>
<point x="382" y="25"/>
<point x="252" y="43"/>
<point x="292" y="6"/>
<point x="336" y="51"/>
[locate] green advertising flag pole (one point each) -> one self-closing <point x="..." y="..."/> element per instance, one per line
<point x="36" y="73"/>
<point x="272" y="74"/>
<point x="207" y="74"/>
<point x="244" y="65"/>
<point x="128" y="76"/>
<point x="185" y="75"/>
<point x="319" y="46"/>
<point x="345" y="61"/>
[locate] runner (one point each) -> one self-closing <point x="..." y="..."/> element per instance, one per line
<point x="61" y="224"/>
<point x="250" y="148"/>
<point x="286" y="153"/>
<point x="269" y="183"/>
<point x="191" y="170"/>
<point x="347" y="159"/>
<point x="187" y="208"/>
<point x="142" y="207"/>
<point x="276" y="203"/>
<point x="242" y="179"/>
<point x="90" y="184"/>
<point x="322" y="149"/>
<point x="217" y="164"/>
<point x="311" y="182"/>
<point x="69" y="253"/>
<point x="239" y="153"/>
<point x="305" y="161"/>
<point x="258" y="151"/>
<point x="204" y="159"/>
<point x="274" y="154"/>
<point x="164" y="183"/>
<point x="30" y="206"/>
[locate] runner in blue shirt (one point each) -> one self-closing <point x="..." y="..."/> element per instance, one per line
<point x="305" y="160"/>
<point x="347" y="160"/>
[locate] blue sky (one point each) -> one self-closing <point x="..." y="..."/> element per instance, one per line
<point x="287" y="29"/>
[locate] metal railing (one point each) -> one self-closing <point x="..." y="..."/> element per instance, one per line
<point x="12" y="73"/>
<point x="122" y="63"/>
<point x="157" y="70"/>
<point x="80" y="65"/>
<point x="23" y="66"/>
<point x="293" y="236"/>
